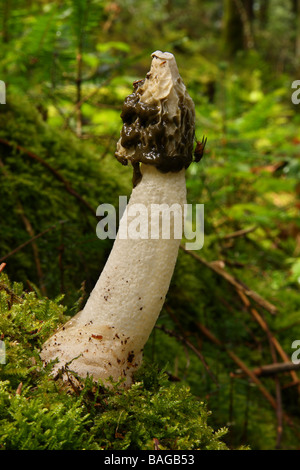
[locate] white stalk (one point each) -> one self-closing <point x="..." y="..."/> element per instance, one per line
<point x="107" y="337"/>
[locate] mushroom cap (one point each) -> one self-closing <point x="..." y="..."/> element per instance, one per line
<point x="158" y="119"/>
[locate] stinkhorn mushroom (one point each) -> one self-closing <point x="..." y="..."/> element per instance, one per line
<point x="107" y="337"/>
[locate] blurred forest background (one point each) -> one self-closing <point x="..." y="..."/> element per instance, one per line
<point x="233" y="309"/>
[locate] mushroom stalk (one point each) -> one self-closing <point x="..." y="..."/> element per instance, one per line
<point x="107" y="337"/>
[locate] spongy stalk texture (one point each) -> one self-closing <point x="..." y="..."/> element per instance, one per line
<point x="108" y="336"/>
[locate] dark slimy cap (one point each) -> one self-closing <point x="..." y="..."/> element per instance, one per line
<point x="158" y="120"/>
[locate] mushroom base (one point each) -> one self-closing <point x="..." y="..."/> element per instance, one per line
<point x="101" y="352"/>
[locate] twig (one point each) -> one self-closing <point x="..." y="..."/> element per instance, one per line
<point x="278" y="394"/>
<point x="20" y="247"/>
<point x="191" y="346"/>
<point x="30" y="231"/>
<point x="13" y="297"/>
<point x="2" y="266"/>
<point x="240" y="363"/>
<point x="247" y="371"/>
<point x="78" y="92"/>
<point x="61" y="250"/>
<point x="78" y="104"/>
<point x="263" y="324"/>
<point x="57" y="175"/>
<point x="274" y="347"/>
<point x="19" y="388"/>
<point x="183" y="333"/>
<point x="246" y="24"/>
<point x="273" y="369"/>
<point x="279" y="413"/>
<point x="239" y="233"/>
<point x="234" y="282"/>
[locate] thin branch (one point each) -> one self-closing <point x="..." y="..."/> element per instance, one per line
<point x="57" y="175"/>
<point x="240" y="363"/>
<point x="206" y="332"/>
<point x="20" y="247"/>
<point x="239" y="233"/>
<point x="2" y="266"/>
<point x="234" y="282"/>
<point x="274" y="348"/>
<point x="36" y="256"/>
<point x="191" y="346"/>
<point x="246" y="24"/>
<point x="246" y="370"/>
<point x="263" y="324"/>
<point x="78" y="93"/>
<point x="30" y="231"/>
<point x="273" y="369"/>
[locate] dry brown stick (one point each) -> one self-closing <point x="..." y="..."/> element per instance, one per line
<point x="265" y="327"/>
<point x="2" y="266"/>
<point x="234" y="282"/>
<point x="239" y="362"/>
<point x="79" y="104"/>
<point x="279" y="412"/>
<point x="275" y="341"/>
<point x="20" y="247"/>
<point x="78" y="92"/>
<point x="30" y="231"/>
<point x="239" y="233"/>
<point x="19" y="388"/>
<point x="191" y="346"/>
<point x="35" y="250"/>
<point x="13" y="297"/>
<point x="274" y="347"/>
<point x="263" y="324"/>
<point x="246" y="24"/>
<point x="290" y="384"/>
<point x="183" y="333"/>
<point x="247" y="371"/>
<point x="57" y="175"/>
<point x="275" y="368"/>
<point x="248" y="330"/>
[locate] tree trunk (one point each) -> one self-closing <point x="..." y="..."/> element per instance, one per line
<point x="5" y="21"/>
<point x="249" y="8"/>
<point x="296" y="10"/>
<point x="237" y="29"/>
<point x="263" y="12"/>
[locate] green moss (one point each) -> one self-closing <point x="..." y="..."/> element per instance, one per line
<point x="39" y="411"/>
<point x="70" y="252"/>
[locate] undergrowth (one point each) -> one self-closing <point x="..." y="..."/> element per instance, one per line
<point x="39" y="411"/>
